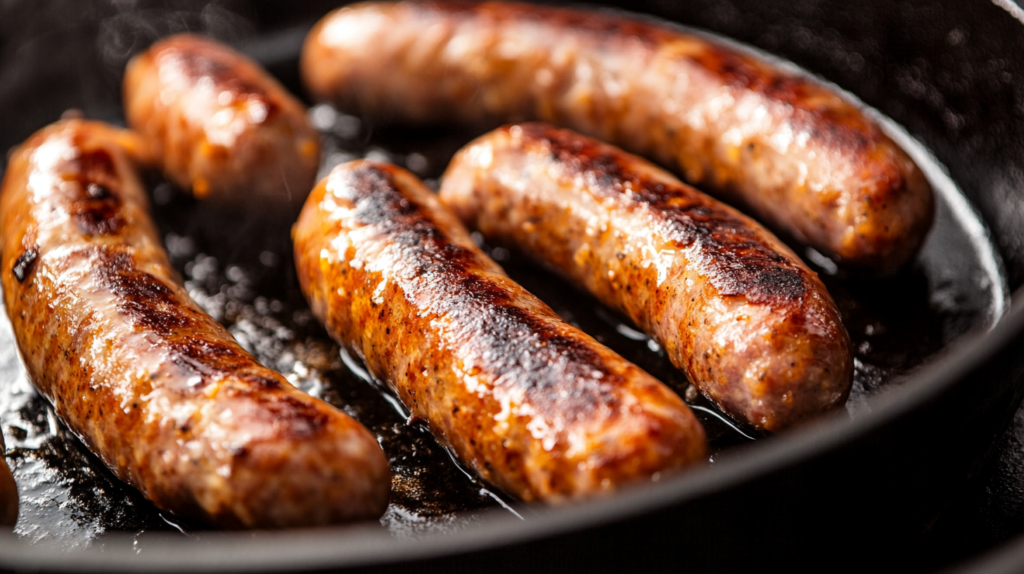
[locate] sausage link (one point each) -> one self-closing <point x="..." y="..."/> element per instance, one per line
<point x="219" y="125"/>
<point x="753" y="327"/>
<point x="153" y="385"/>
<point x="801" y="157"/>
<point x="534" y="405"/>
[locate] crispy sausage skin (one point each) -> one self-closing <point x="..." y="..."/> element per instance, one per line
<point x="219" y="125"/>
<point x="753" y="327"/>
<point x="155" y="387"/>
<point x="801" y="157"/>
<point x="534" y="405"/>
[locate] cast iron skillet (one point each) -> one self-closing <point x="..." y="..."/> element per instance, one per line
<point x="842" y="493"/>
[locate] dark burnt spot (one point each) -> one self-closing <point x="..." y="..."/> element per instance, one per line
<point x="736" y="259"/>
<point x="146" y="300"/>
<point x="97" y="216"/>
<point x="97" y="209"/>
<point x="25" y="263"/>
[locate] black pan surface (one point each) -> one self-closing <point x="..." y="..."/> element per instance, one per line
<point x="917" y="336"/>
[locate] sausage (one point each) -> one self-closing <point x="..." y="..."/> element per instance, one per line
<point x="749" y="323"/>
<point x="219" y="125"/>
<point x="802" y="158"/>
<point x="153" y="385"/>
<point x="532" y="404"/>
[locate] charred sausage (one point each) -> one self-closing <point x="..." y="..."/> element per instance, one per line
<point x="799" y="156"/>
<point x="534" y="405"/>
<point x="153" y="385"/>
<point x="753" y="327"/>
<point x="219" y="125"/>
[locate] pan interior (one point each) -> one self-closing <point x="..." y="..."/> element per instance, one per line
<point x="243" y="274"/>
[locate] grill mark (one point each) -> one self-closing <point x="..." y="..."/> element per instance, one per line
<point x="97" y="209"/>
<point x="534" y="355"/>
<point x="151" y="305"/>
<point x="738" y="261"/>
<point x="146" y="300"/>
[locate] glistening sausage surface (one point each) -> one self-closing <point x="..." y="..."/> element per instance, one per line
<point x="754" y="329"/>
<point x="155" y="387"/>
<point x="219" y="125"/>
<point x="801" y="157"/>
<point x="534" y="405"/>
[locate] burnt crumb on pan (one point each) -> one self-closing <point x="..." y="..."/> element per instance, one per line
<point x="25" y="263"/>
<point x="737" y="261"/>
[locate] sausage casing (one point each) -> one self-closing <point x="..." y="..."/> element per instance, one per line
<point x="801" y="157"/>
<point x="219" y="125"/>
<point x="153" y="385"/>
<point x="751" y="325"/>
<point x="534" y="405"/>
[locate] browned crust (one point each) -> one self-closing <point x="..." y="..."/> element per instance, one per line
<point x="802" y="158"/>
<point x="155" y="387"/>
<point x="532" y="404"/>
<point x="749" y="323"/>
<point x="219" y="125"/>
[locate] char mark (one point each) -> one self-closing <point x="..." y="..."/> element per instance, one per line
<point x="97" y="209"/>
<point x="561" y="374"/>
<point x="194" y="341"/>
<point x="146" y="300"/>
<point x="25" y="263"/>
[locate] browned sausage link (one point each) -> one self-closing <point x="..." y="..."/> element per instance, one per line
<point x="534" y="405"/>
<point x="801" y="157"/>
<point x="754" y="329"/>
<point x="219" y="125"/>
<point x="155" y="387"/>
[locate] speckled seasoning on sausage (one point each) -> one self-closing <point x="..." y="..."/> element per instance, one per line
<point x="219" y="125"/>
<point x="752" y="326"/>
<point x="153" y="385"/>
<point x="801" y="157"/>
<point x="532" y="404"/>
